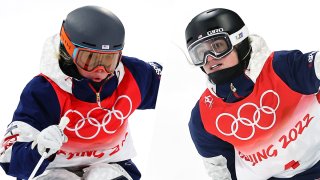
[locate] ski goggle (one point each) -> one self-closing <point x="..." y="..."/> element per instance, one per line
<point x="217" y="45"/>
<point x="90" y="59"/>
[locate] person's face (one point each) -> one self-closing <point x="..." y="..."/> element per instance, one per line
<point x="97" y="75"/>
<point x="213" y="65"/>
<point x="96" y="66"/>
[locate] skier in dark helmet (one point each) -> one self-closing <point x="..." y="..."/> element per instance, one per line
<point x="258" y="118"/>
<point x="84" y="78"/>
<point x="223" y="33"/>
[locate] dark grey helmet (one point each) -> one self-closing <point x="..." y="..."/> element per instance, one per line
<point x="96" y="28"/>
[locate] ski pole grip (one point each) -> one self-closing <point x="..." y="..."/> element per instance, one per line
<point x="63" y="122"/>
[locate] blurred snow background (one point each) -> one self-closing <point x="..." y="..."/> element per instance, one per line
<point x="153" y="27"/>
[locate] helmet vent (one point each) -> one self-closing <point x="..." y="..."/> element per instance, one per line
<point x="89" y="44"/>
<point x="210" y="11"/>
<point x="119" y="45"/>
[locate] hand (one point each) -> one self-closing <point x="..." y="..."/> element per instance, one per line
<point x="50" y="138"/>
<point x="217" y="168"/>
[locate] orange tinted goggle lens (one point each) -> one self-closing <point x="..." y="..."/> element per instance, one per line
<point x="90" y="60"/>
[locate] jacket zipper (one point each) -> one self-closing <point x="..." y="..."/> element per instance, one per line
<point x="98" y="97"/>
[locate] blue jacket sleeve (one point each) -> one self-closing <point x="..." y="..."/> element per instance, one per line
<point x="297" y="70"/>
<point x="38" y="108"/>
<point x="148" y="77"/>
<point x="209" y="145"/>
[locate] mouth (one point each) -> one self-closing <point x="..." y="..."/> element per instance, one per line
<point x="215" y="66"/>
<point x="97" y="79"/>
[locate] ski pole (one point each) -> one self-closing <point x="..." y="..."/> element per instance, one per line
<point x="63" y="123"/>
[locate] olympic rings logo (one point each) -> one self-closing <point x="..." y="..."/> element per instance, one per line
<point x="252" y="124"/>
<point x="105" y="121"/>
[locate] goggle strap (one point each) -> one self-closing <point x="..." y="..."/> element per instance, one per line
<point x="239" y="36"/>
<point x="186" y="55"/>
<point x="66" y="42"/>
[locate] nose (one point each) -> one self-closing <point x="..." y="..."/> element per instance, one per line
<point x="99" y="69"/>
<point x="210" y="58"/>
